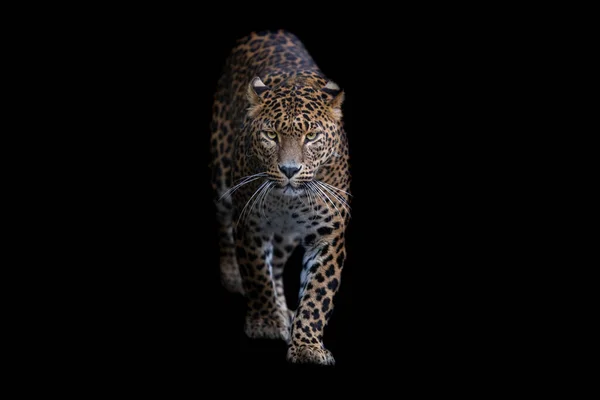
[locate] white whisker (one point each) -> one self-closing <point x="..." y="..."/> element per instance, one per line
<point x="315" y="201"/>
<point x="302" y="184"/>
<point x="335" y="188"/>
<point x="266" y="191"/>
<point x="312" y="203"/>
<point x="324" y="196"/>
<point x="316" y="195"/>
<point x="257" y="198"/>
<point x="337" y="196"/>
<point x="241" y="183"/>
<point x="250" y="200"/>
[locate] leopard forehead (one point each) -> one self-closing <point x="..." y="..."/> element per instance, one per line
<point x="296" y="109"/>
<point x="297" y="125"/>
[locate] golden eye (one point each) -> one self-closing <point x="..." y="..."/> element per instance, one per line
<point x="271" y="135"/>
<point x="311" y="136"/>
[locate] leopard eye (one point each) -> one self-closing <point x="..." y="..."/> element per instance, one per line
<point x="271" y="135"/>
<point x="311" y="136"/>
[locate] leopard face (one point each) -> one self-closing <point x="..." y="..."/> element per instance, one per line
<point x="294" y="129"/>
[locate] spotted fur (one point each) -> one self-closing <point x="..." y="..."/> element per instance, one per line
<point x="281" y="179"/>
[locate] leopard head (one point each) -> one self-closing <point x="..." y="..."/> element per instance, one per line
<point x="294" y="129"/>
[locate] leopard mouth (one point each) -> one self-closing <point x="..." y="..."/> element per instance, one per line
<point x="291" y="190"/>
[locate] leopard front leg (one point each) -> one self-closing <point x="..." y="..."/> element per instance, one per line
<point x="230" y="273"/>
<point x="322" y="267"/>
<point x="265" y="316"/>
<point x="221" y="167"/>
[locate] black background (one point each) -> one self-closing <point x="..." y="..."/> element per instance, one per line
<point x="424" y="285"/>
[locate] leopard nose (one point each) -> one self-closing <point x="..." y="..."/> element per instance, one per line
<point x="289" y="171"/>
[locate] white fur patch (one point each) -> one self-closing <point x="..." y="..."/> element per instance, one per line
<point x="258" y="83"/>
<point x="332" y="85"/>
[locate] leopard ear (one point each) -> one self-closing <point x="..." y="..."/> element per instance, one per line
<point x="336" y="98"/>
<point x="256" y="91"/>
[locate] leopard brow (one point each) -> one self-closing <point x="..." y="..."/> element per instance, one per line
<point x="317" y="125"/>
<point x="267" y="127"/>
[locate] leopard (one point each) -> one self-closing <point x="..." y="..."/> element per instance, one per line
<point x="281" y="180"/>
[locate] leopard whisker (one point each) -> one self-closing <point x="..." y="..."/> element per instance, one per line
<point x="330" y="200"/>
<point x="311" y="202"/>
<point x="335" y="188"/>
<point x="258" y="198"/>
<point x="316" y="196"/>
<point x="323" y="196"/>
<point x="241" y="183"/>
<point x="315" y="202"/>
<point x="266" y="191"/>
<point x="338" y="197"/>
<point x="250" y="200"/>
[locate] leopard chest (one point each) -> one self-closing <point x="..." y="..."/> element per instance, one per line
<point x="287" y="216"/>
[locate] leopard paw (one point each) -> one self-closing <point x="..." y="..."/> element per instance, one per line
<point x="309" y="354"/>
